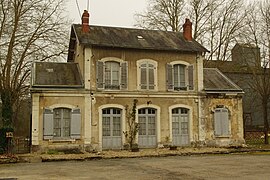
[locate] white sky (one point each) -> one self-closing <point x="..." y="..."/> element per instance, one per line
<point x="118" y="13"/>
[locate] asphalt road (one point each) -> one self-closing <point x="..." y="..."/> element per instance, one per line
<point x="177" y="167"/>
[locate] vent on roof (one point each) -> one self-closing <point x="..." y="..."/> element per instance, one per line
<point x="49" y="70"/>
<point x="139" y="37"/>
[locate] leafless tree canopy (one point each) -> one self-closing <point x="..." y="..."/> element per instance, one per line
<point x="216" y="23"/>
<point x="162" y="15"/>
<point x="30" y="30"/>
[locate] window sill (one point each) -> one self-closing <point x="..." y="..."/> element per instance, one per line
<point x="223" y="136"/>
<point x="61" y="140"/>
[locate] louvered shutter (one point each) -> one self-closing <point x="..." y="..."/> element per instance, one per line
<point x="191" y="77"/>
<point x="75" y="125"/>
<point x="143" y="82"/>
<point x="124" y="75"/>
<point x="151" y="77"/>
<point x="169" y="74"/>
<point x="48" y="124"/>
<point x="217" y="122"/>
<point x="100" y="75"/>
<point x="225" y="122"/>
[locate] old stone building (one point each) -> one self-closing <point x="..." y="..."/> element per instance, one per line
<point x="82" y="103"/>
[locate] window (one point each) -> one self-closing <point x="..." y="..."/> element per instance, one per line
<point x="61" y="119"/>
<point x="147" y="75"/>
<point x="61" y="123"/>
<point x="221" y="122"/>
<point x="179" y="77"/>
<point x="111" y="75"/>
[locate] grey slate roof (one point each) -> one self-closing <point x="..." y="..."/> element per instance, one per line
<point x="47" y="74"/>
<point x="216" y="81"/>
<point x="136" y="39"/>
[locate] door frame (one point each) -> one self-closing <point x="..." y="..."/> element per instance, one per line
<point x="158" y="130"/>
<point x="123" y="124"/>
<point x="190" y="120"/>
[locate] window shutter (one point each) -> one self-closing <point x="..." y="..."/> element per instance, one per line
<point x="124" y="75"/>
<point x="190" y="77"/>
<point x="100" y="75"/>
<point x="169" y="77"/>
<point x="217" y="122"/>
<point x="143" y="78"/>
<point x="151" y="74"/>
<point x="48" y="124"/>
<point x="75" y="129"/>
<point x="225" y="122"/>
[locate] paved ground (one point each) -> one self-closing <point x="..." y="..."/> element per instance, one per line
<point x="174" y="167"/>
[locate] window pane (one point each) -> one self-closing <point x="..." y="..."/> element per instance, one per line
<point x="142" y="125"/>
<point x="62" y="118"/>
<point x="116" y="126"/>
<point x="106" y="131"/>
<point x="175" y="125"/>
<point x="184" y="128"/>
<point x="179" y="77"/>
<point x="112" y="70"/>
<point x="151" y="125"/>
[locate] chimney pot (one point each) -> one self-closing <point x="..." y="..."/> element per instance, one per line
<point x="85" y="22"/>
<point x="187" y="30"/>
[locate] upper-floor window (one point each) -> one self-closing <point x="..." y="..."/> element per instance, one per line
<point x="147" y="71"/>
<point x="112" y="75"/>
<point x="180" y="77"/>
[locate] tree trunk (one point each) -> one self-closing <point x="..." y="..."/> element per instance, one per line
<point x="7" y="112"/>
<point x="265" y="118"/>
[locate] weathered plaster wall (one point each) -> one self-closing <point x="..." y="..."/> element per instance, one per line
<point x="234" y="105"/>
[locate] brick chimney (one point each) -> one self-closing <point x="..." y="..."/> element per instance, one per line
<point x="85" y="22"/>
<point x="187" y="30"/>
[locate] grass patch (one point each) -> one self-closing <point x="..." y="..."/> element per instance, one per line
<point x="53" y="152"/>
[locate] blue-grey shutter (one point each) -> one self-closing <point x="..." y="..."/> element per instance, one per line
<point x="151" y="78"/>
<point x="124" y="75"/>
<point x="217" y="122"/>
<point x="48" y="124"/>
<point x="75" y="125"/>
<point x="190" y="77"/>
<point x="143" y="82"/>
<point x="169" y="77"/>
<point x="225" y="122"/>
<point x="100" y="75"/>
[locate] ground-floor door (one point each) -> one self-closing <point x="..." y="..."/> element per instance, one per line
<point x="180" y="127"/>
<point x="111" y="128"/>
<point x="147" y="127"/>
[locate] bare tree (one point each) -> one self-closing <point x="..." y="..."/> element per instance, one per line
<point x="216" y="22"/>
<point x="258" y="31"/>
<point x="217" y="25"/>
<point x="162" y="15"/>
<point x="30" y="30"/>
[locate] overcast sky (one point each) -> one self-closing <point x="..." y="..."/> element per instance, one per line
<point x="118" y="13"/>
